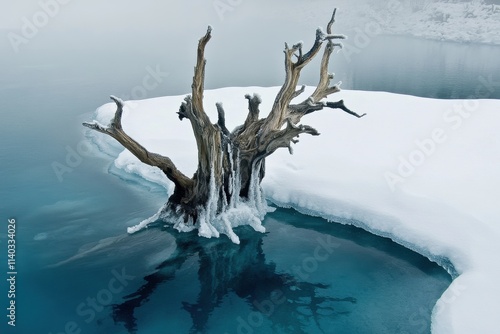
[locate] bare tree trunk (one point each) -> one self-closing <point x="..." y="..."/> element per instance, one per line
<point x="231" y="165"/>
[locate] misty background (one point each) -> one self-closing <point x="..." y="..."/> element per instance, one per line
<point x="55" y="73"/>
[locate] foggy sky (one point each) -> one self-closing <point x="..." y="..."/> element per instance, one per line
<point x="121" y="38"/>
<point x="249" y="33"/>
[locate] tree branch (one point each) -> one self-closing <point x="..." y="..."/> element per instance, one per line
<point x="194" y="106"/>
<point x="222" y="118"/>
<point x="184" y="112"/>
<point x="115" y="130"/>
<point x="253" y="109"/>
<point x="323" y="88"/>
<point x="340" y="105"/>
<point x="280" y="110"/>
<point x="252" y="119"/>
<point x="297" y="111"/>
<point x="332" y="21"/>
<point x="299" y="91"/>
<point x="207" y="135"/>
<point x="284" y="138"/>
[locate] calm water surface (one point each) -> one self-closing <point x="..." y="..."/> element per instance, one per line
<point x="304" y="275"/>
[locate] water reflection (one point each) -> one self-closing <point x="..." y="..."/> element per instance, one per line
<point x="289" y="303"/>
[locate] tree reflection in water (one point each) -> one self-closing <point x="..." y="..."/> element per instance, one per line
<point x="241" y="269"/>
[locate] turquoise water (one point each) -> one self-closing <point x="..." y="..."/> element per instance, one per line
<point x="305" y="275"/>
<point x="79" y="270"/>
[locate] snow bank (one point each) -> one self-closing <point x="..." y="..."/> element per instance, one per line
<point x="423" y="172"/>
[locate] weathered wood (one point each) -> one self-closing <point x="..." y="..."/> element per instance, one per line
<point x="116" y="131"/>
<point x="228" y="162"/>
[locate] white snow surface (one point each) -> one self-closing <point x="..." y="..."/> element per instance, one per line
<point x="442" y="158"/>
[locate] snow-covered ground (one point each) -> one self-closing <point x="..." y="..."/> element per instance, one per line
<point x="468" y="21"/>
<point x="423" y="172"/>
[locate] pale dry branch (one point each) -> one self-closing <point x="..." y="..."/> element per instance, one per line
<point x="115" y="130"/>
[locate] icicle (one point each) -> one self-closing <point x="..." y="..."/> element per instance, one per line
<point x="210" y="211"/>
<point x="254" y="192"/>
<point x="144" y="224"/>
<point x="205" y="227"/>
<point x="256" y="224"/>
<point x="235" y="195"/>
<point x="225" y="204"/>
<point x="222" y="194"/>
<point x="231" y="166"/>
<point x="229" y="230"/>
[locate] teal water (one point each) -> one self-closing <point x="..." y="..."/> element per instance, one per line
<point x="78" y="269"/>
<point x="305" y="275"/>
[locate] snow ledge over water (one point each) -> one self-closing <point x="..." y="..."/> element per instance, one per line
<point x="423" y="172"/>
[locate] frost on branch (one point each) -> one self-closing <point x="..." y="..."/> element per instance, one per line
<point x="225" y="191"/>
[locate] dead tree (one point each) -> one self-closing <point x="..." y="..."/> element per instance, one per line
<point x="231" y="165"/>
